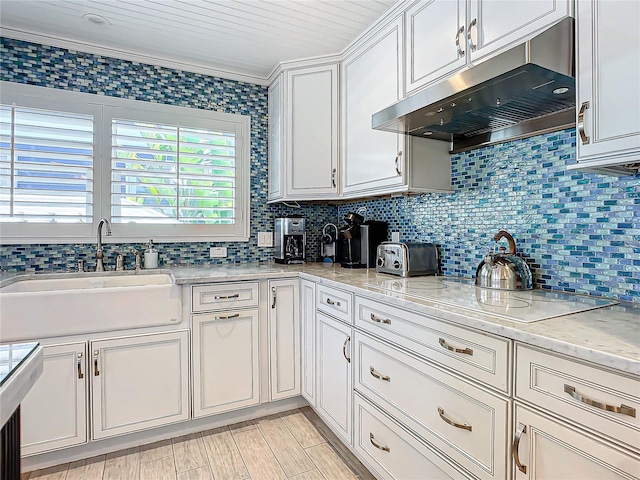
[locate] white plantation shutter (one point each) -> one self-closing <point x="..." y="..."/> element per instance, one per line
<point x="172" y="174"/>
<point x="46" y="166"/>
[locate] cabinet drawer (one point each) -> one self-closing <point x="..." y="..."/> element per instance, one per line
<point x="483" y="357"/>
<point x="335" y="302"/>
<point x="465" y="422"/>
<point x="582" y="393"/>
<point x="220" y="296"/>
<point x="392" y="451"/>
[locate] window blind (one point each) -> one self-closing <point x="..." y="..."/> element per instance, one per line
<point x="46" y="166"/>
<point x="171" y="174"/>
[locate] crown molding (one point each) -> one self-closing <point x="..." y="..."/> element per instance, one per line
<point x="302" y="63"/>
<point x="55" y="41"/>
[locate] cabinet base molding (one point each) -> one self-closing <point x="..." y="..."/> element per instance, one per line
<point x="100" y="447"/>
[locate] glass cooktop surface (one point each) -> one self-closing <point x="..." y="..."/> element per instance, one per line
<point x="517" y="305"/>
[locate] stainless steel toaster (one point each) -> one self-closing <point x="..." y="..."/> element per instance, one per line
<point x="407" y="259"/>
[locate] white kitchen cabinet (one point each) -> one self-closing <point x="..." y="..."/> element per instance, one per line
<point x="308" y="327"/>
<point x="544" y="448"/>
<point x="376" y="162"/>
<point x="334" y="394"/>
<point x="54" y="412"/>
<point x="495" y="25"/>
<point x="444" y="36"/>
<point x="303" y="134"/>
<point x="608" y="75"/>
<point x="275" y="111"/>
<point x="433" y="50"/>
<point x="284" y="338"/>
<point x="139" y="382"/>
<point x="226" y="373"/>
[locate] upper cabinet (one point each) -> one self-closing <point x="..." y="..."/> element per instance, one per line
<point x="375" y="162"/>
<point x="607" y="77"/>
<point x="303" y="134"/>
<point x="443" y="36"/>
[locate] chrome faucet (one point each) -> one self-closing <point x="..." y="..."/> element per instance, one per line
<point x="99" y="254"/>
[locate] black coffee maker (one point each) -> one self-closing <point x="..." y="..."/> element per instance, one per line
<point x="358" y="241"/>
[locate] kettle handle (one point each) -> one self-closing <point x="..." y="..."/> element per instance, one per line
<point x="507" y="235"/>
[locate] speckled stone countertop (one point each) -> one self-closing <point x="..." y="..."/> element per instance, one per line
<point x="608" y="336"/>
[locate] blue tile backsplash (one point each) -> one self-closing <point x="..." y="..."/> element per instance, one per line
<point x="579" y="232"/>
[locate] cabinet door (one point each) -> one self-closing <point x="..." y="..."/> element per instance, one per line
<point x="498" y="24"/>
<point x="54" y="412"/>
<point x="312" y="132"/>
<point x="308" y="324"/>
<point x="545" y="448"/>
<point x="607" y="79"/>
<point x="284" y="338"/>
<point x="139" y="382"/>
<point x="226" y="374"/>
<point x="335" y="381"/>
<point x="435" y="41"/>
<point x="276" y="157"/>
<point x="373" y="79"/>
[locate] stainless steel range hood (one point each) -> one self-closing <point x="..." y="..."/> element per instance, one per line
<point x="527" y="90"/>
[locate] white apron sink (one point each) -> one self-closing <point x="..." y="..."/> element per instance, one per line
<point x="53" y="305"/>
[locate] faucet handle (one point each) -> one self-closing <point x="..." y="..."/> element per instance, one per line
<point x="138" y="259"/>
<point x="119" y="263"/>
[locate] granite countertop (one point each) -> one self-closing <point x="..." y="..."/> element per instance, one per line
<point x="609" y="336"/>
<point x="20" y="366"/>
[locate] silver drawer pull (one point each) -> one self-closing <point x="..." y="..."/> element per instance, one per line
<point x="344" y="349"/>
<point x="384" y="448"/>
<point x="227" y="317"/>
<point x="331" y="302"/>
<point x="623" y="409"/>
<point x="380" y="320"/>
<point x="466" y="351"/>
<point x="227" y="297"/>
<point x="80" y="374"/>
<point x="373" y="372"/>
<point x="516" y="445"/>
<point x="96" y="372"/>
<point x="463" y="426"/>
<point x="583" y="136"/>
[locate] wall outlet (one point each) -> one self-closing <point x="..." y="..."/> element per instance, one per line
<point x="395" y="236"/>
<point x="265" y="239"/>
<point x="218" y="252"/>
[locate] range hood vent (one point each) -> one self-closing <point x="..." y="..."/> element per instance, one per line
<point x="525" y="91"/>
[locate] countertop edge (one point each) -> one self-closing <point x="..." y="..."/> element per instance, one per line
<point x="18" y="385"/>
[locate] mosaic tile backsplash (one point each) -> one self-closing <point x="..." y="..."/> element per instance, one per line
<point x="45" y="66"/>
<point x="579" y="232"/>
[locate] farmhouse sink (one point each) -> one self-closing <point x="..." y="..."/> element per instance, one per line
<point x="52" y="305"/>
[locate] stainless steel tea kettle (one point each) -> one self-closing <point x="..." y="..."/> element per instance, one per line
<point x="504" y="271"/>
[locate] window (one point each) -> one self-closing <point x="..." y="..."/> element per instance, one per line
<point x="155" y="171"/>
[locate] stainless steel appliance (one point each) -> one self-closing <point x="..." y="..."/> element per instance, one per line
<point x="358" y="240"/>
<point x="328" y="241"/>
<point x="504" y="271"/>
<point x="407" y="259"/>
<point x="526" y="90"/>
<point x="290" y="240"/>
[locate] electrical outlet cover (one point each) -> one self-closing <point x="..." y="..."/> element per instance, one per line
<point x="265" y="239"/>
<point x="395" y="236"/>
<point x="217" y="252"/>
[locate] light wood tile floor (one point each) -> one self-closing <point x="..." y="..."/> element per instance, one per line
<point x="293" y="445"/>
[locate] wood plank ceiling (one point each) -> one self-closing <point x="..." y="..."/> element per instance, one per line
<point x="242" y="38"/>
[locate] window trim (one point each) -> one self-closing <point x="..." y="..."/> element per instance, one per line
<point x="104" y="108"/>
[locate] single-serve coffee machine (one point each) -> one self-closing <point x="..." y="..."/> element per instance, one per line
<point x="358" y="241"/>
<point x="290" y="240"/>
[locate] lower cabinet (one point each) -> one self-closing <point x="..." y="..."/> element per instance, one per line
<point x="139" y="382"/>
<point x="284" y="338"/>
<point x="308" y="327"/>
<point x="546" y="448"/>
<point x="54" y="412"/>
<point x="392" y="451"/>
<point x="335" y="382"/>
<point x="226" y="373"/>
